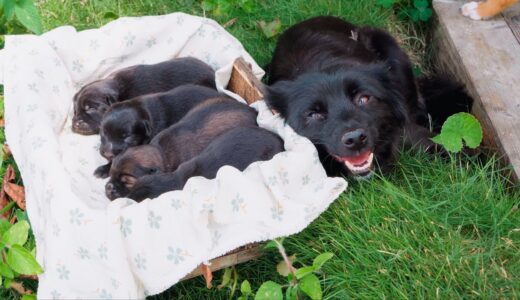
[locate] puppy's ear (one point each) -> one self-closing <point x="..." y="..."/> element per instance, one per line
<point x="111" y="97"/>
<point x="277" y="97"/>
<point x="146" y="130"/>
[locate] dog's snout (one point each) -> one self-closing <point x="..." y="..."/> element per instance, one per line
<point x="107" y="151"/>
<point x="110" y="191"/>
<point x="354" y="139"/>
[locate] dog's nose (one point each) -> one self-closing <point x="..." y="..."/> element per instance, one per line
<point x="354" y="139"/>
<point x="110" y="191"/>
<point x="107" y="154"/>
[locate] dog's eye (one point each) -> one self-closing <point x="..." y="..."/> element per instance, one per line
<point x="363" y="99"/>
<point x="315" y="115"/>
<point x="152" y="171"/>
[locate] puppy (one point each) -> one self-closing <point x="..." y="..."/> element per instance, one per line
<point x="350" y="90"/>
<point x="178" y="143"/>
<point x="94" y="99"/>
<point x="137" y="121"/>
<point x="238" y="148"/>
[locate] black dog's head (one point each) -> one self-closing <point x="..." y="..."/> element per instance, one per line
<point x="350" y="115"/>
<point x="131" y="165"/>
<point x="124" y="125"/>
<point x="90" y="103"/>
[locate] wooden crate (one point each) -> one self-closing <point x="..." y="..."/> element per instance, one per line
<point x="243" y="83"/>
<point x="485" y="56"/>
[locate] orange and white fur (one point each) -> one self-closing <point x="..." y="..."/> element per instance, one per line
<point x="486" y="9"/>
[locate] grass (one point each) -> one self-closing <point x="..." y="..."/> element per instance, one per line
<point x="433" y="228"/>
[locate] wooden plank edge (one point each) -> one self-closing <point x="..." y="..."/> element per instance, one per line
<point x="228" y="260"/>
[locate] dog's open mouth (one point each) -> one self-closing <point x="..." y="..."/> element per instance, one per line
<point x="358" y="165"/>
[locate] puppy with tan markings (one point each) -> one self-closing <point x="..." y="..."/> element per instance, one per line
<point x="238" y="148"/>
<point x="178" y="143"/>
<point x="135" y="122"/>
<point x="94" y="99"/>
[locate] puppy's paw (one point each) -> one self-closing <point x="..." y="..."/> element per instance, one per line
<point x="102" y="171"/>
<point x="470" y="10"/>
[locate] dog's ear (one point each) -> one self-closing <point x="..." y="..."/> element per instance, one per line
<point x="277" y="97"/>
<point x="111" y="96"/>
<point x="146" y="130"/>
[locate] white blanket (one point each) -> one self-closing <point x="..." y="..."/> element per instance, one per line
<point x="92" y="248"/>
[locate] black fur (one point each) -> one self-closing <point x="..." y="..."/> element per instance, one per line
<point x="178" y="143"/>
<point x="350" y="90"/>
<point x="137" y="121"/>
<point x="94" y="99"/>
<point x="238" y="148"/>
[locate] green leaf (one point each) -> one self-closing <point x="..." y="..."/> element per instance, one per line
<point x="291" y="292"/>
<point x="226" y="278"/>
<point x="302" y="272"/>
<point x="8" y="9"/>
<point x="242" y="298"/>
<point x="386" y="3"/>
<point x="7" y="283"/>
<point x="425" y="14"/>
<point x="4" y="226"/>
<point x="28" y="15"/>
<point x="110" y="15"/>
<point x="272" y="28"/>
<point x="283" y="268"/>
<point x="21" y="261"/>
<point x="6" y="271"/>
<point x="310" y="285"/>
<point x="21" y="215"/>
<point x="269" y="290"/>
<point x="29" y="297"/>
<point x="420" y="3"/>
<point x="458" y="127"/>
<point x="321" y="259"/>
<point x="17" y="234"/>
<point x="245" y="288"/>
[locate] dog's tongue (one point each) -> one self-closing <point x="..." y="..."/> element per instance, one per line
<point x="358" y="160"/>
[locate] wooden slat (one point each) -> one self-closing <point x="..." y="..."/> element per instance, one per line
<point x="247" y="254"/>
<point x="244" y="83"/>
<point x="485" y="55"/>
<point x="512" y="18"/>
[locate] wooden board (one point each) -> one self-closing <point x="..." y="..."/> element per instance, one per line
<point x="485" y="55"/>
<point x="512" y="18"/>
<point x="244" y="83"/>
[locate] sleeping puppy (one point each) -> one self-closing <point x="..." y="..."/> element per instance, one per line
<point x="238" y="148"/>
<point x="94" y="99"/>
<point x="137" y="121"/>
<point x="178" y="143"/>
<point x="351" y="91"/>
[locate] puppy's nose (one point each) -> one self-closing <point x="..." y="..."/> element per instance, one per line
<point x="354" y="139"/>
<point x="110" y="191"/>
<point x="79" y="124"/>
<point x="107" y="154"/>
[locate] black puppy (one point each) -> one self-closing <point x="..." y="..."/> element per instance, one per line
<point x="350" y="90"/>
<point x="178" y="143"/>
<point x="137" y="121"/>
<point x="94" y="99"/>
<point x="238" y="148"/>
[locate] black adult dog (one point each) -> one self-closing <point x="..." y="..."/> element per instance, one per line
<point x="238" y="148"/>
<point x="94" y="99"/>
<point x="135" y="122"/>
<point x="351" y="91"/>
<point x="178" y="143"/>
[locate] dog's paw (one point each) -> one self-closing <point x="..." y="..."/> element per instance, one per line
<point x="102" y="171"/>
<point x="470" y="10"/>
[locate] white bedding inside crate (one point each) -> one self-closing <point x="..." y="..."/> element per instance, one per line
<point x="90" y="247"/>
